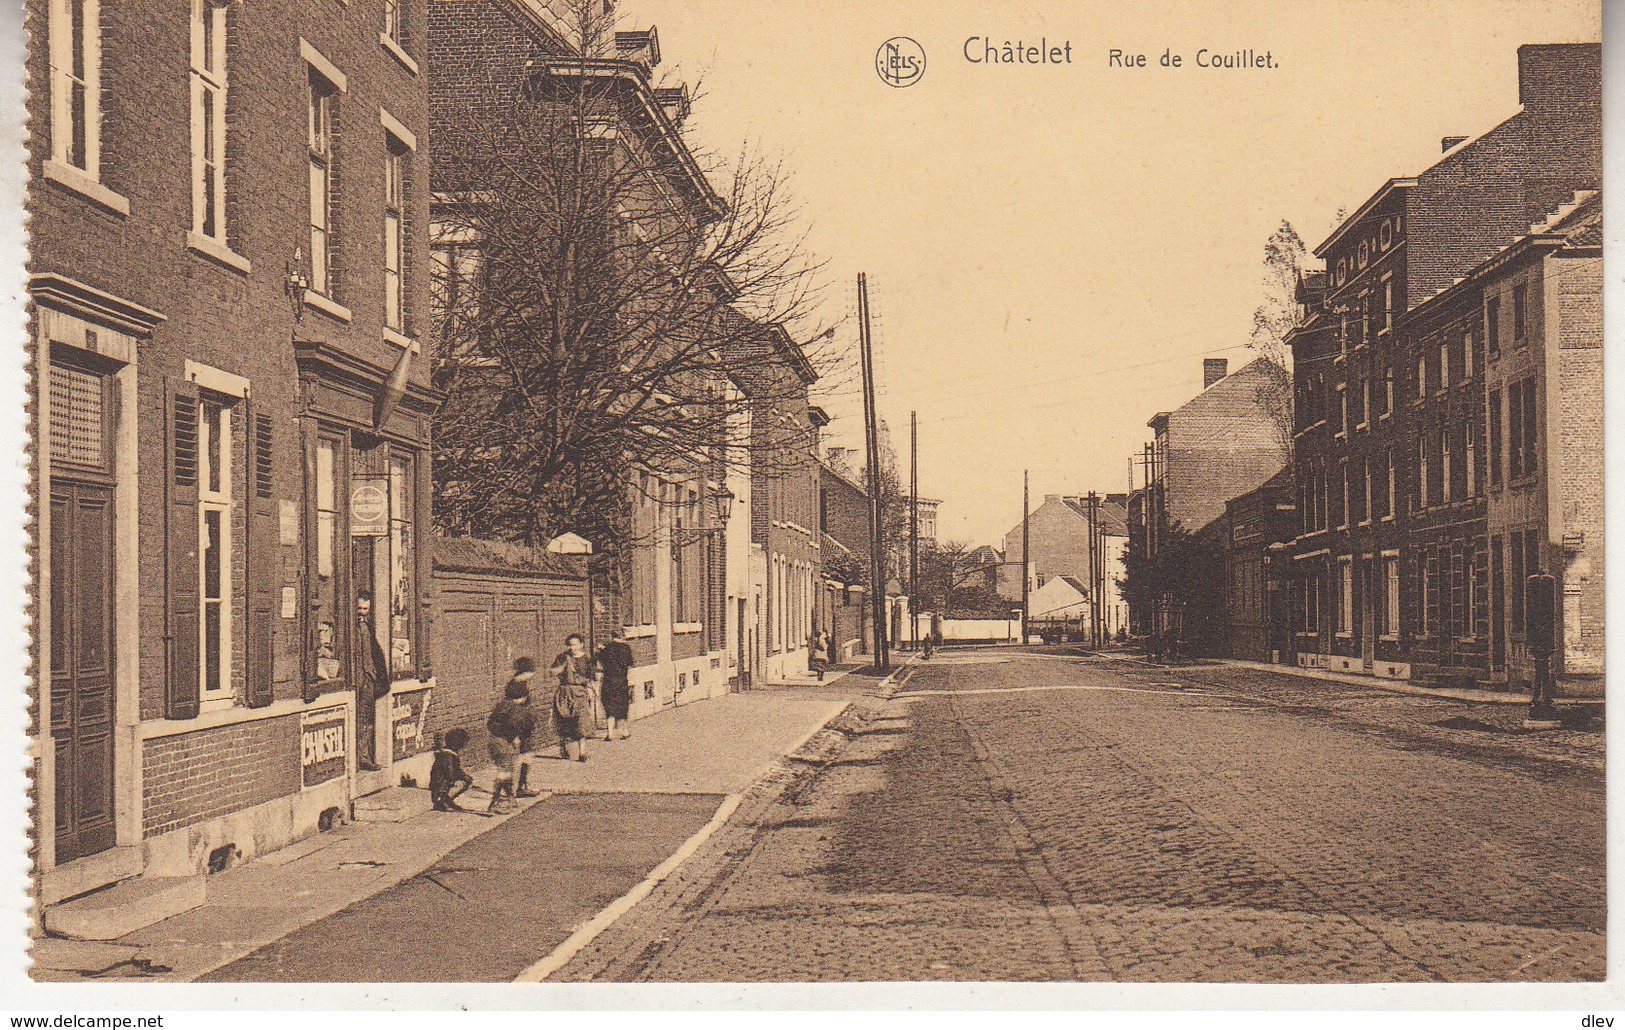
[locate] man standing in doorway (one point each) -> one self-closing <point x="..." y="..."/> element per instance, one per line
<point x="372" y="681"/>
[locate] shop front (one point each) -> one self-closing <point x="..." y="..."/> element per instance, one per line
<point x="365" y="434"/>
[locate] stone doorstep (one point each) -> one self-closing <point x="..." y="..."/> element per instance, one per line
<point x="392" y="805"/>
<point x="109" y="914"/>
<point x="89" y="873"/>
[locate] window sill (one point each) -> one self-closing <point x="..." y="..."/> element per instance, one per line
<point x="1345" y="634"/>
<point x="402" y="340"/>
<point x="1386" y="518"/>
<point x="686" y="627"/>
<point x="82" y="184"/>
<point x="214" y="250"/>
<point x="209" y="718"/>
<point x="1362" y="425"/>
<point x="1340" y="436"/>
<point x="639" y="632"/>
<point x="398" y="52"/>
<point x="1385" y="416"/>
<point x="327" y="306"/>
<point x="1391" y="638"/>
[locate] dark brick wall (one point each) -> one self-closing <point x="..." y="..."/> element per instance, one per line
<point x="483" y="622"/>
<point x="191" y="777"/>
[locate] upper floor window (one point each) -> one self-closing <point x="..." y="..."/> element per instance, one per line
<point x="1445" y="469"/>
<point x="395" y="21"/>
<point x="1387" y="299"/>
<point x="1494" y="433"/>
<point x="394" y="234"/>
<point x="1520" y="296"/>
<point x="1444" y="365"/>
<point x="1492" y="326"/>
<point x="321" y="122"/>
<point x="1388" y="389"/>
<point x="1420" y="499"/>
<point x="1421" y="376"/>
<point x="1467" y="356"/>
<point x="209" y="119"/>
<point x="76" y="51"/>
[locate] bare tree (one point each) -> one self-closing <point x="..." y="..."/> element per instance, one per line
<point x="1273" y="320"/>
<point x="609" y="299"/>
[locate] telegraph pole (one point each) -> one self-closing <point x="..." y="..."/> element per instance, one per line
<point x="914" y="531"/>
<point x="1026" y="557"/>
<point x="871" y="427"/>
<point x="1096" y="624"/>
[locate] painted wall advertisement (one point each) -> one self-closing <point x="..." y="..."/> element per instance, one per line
<point x="323" y="745"/>
<point x="408" y="715"/>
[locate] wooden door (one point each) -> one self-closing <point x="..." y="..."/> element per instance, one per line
<point x="82" y="682"/>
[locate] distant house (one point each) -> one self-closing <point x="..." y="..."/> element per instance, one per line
<point x="1256" y="607"/>
<point x="1225" y="441"/>
<point x="1063" y="598"/>
<point x="1060" y="532"/>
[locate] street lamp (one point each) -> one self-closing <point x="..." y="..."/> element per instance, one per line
<point x="295" y="283"/>
<point x="723" y="498"/>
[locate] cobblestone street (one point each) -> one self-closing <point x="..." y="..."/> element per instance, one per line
<point x="1062" y="816"/>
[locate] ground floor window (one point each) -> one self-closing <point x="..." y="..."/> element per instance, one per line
<point x="1345" y="594"/>
<point x="1390" y="608"/>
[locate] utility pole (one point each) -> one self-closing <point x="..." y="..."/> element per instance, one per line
<point x="1026" y="556"/>
<point x="871" y="427"/>
<point x="914" y="531"/>
<point x="1096" y="577"/>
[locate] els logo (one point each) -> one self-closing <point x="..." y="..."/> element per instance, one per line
<point x="900" y="62"/>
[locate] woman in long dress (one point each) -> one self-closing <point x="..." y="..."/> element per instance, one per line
<point x="572" y="702"/>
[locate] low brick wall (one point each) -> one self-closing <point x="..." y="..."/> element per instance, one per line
<point x="192" y="777"/>
<point x="494" y="603"/>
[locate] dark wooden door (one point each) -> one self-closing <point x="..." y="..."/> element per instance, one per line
<point x="82" y="684"/>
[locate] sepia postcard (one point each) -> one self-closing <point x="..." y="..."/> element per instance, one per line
<point x="1042" y="504"/>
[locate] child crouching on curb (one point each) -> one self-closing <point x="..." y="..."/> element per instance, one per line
<point x="447" y="780"/>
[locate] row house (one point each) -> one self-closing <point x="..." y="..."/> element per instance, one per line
<point x="1393" y="569"/>
<point x="1543" y="382"/>
<point x="716" y="562"/>
<point x="787" y="578"/>
<point x="228" y="210"/>
<point x="843" y="527"/>
<point x="1226" y="441"/>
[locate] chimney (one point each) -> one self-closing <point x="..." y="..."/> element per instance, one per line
<point x="1213" y="370"/>
<point x="1555" y="79"/>
<point x="1450" y="141"/>
<point x="674" y="101"/>
<point x="1049" y="498"/>
<point x="641" y="48"/>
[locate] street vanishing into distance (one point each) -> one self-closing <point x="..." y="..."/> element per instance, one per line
<point x="1073" y="816"/>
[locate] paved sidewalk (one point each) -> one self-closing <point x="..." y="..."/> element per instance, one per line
<point x="1379" y="683"/>
<point x="708" y="749"/>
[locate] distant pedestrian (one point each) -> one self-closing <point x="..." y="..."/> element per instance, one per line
<point x="817" y="653"/>
<point x="511" y="726"/>
<point x="572" y="701"/>
<point x="447" y="779"/>
<point x="615" y="687"/>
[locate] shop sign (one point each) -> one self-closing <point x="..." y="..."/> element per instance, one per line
<point x="369" y="508"/>
<point x="324" y="745"/>
<point x="408" y="715"/>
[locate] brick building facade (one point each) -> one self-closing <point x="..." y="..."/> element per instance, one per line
<point x="1394" y="569"/>
<point x="1544" y="389"/>
<point x="227" y="282"/>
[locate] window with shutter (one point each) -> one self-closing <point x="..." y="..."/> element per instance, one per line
<point x="184" y="622"/>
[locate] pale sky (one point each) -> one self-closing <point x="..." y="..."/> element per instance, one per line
<point x="1052" y="250"/>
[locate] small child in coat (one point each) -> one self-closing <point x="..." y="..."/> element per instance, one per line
<point x="447" y="779"/>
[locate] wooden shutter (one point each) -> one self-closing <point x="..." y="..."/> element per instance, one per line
<point x="184" y="616"/>
<point x="263" y="560"/>
<point x="306" y="665"/>
<point x="423" y="553"/>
